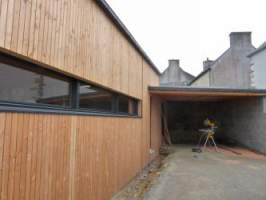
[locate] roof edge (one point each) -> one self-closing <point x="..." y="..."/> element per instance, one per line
<point x="199" y="76"/>
<point x="110" y="12"/>
<point x="204" y="89"/>
<point x="259" y="49"/>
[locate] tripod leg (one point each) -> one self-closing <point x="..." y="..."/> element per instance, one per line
<point x="200" y="140"/>
<point x="214" y="144"/>
<point x="207" y="138"/>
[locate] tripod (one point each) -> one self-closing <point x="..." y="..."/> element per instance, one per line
<point x="209" y="134"/>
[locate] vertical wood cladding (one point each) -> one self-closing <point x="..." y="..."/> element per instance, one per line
<point x="68" y="157"/>
<point x="73" y="36"/>
<point x="45" y="156"/>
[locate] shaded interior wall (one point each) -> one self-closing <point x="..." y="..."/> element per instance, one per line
<point x="186" y="118"/>
<point x="245" y="122"/>
<point x="242" y="121"/>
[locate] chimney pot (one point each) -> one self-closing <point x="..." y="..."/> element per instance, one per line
<point x="175" y="62"/>
<point x="207" y="64"/>
<point x="240" y="39"/>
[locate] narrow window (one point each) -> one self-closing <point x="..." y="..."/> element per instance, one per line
<point x="29" y="86"/>
<point x="123" y="104"/>
<point x="93" y="98"/>
<point x="23" y="85"/>
<point x="127" y="105"/>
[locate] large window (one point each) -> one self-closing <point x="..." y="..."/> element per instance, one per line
<point x="19" y="84"/>
<point x="25" y="84"/>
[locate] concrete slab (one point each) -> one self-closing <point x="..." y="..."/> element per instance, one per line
<point x="210" y="175"/>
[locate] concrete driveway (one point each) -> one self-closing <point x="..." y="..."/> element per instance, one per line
<point x="210" y="176"/>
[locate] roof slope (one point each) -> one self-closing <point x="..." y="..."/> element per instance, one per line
<point x="199" y="76"/>
<point x="259" y="49"/>
<point x="109" y="11"/>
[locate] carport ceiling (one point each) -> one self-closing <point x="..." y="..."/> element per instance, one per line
<point x="204" y="94"/>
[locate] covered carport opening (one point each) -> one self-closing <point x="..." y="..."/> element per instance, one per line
<point x="240" y="114"/>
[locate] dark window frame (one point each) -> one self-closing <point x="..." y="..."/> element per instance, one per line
<point x="73" y="108"/>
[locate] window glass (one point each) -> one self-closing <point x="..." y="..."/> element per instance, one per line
<point x="127" y="105"/>
<point x="135" y="107"/>
<point x="95" y="98"/>
<point x="123" y="104"/>
<point x="26" y="83"/>
<point x="24" y="86"/>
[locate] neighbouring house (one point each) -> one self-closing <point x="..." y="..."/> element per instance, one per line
<point x="232" y="68"/>
<point x="258" y="67"/>
<point x="174" y="75"/>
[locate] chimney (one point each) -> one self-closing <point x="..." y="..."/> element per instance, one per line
<point x="174" y="62"/>
<point x="240" y="39"/>
<point x="207" y="64"/>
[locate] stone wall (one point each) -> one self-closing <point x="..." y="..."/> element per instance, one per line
<point x="245" y="122"/>
<point x="239" y="120"/>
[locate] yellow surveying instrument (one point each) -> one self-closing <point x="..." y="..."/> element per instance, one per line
<point x="208" y="133"/>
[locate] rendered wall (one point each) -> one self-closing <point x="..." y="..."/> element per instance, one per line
<point x="232" y="68"/>
<point x="203" y="81"/>
<point x="174" y="75"/>
<point x="258" y="66"/>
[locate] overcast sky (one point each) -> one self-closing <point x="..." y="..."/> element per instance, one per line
<point x="190" y="30"/>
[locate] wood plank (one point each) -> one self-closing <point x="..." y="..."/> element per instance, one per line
<point x="30" y="161"/>
<point x="26" y="32"/>
<point x="72" y="158"/>
<point x="43" y="159"/>
<point x="6" y="157"/>
<point x="36" y="27"/>
<point x="31" y="34"/>
<point x="41" y="30"/>
<point x="12" y="156"/>
<point x="21" y="27"/>
<point x="23" y="168"/>
<point x="3" y="21"/>
<point x="18" y="156"/>
<point x="2" y="144"/>
<point x="58" y="45"/>
<point x="13" y="43"/>
<point x="38" y="158"/>
<point x="9" y="23"/>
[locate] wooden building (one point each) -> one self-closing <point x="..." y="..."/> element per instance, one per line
<point x="77" y="121"/>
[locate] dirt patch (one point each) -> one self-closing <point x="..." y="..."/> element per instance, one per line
<point x="143" y="182"/>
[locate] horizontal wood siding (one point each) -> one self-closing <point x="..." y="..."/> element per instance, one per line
<point x="73" y="36"/>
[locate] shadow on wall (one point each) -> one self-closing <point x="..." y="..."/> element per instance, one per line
<point x="186" y="118"/>
<point x="241" y="120"/>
